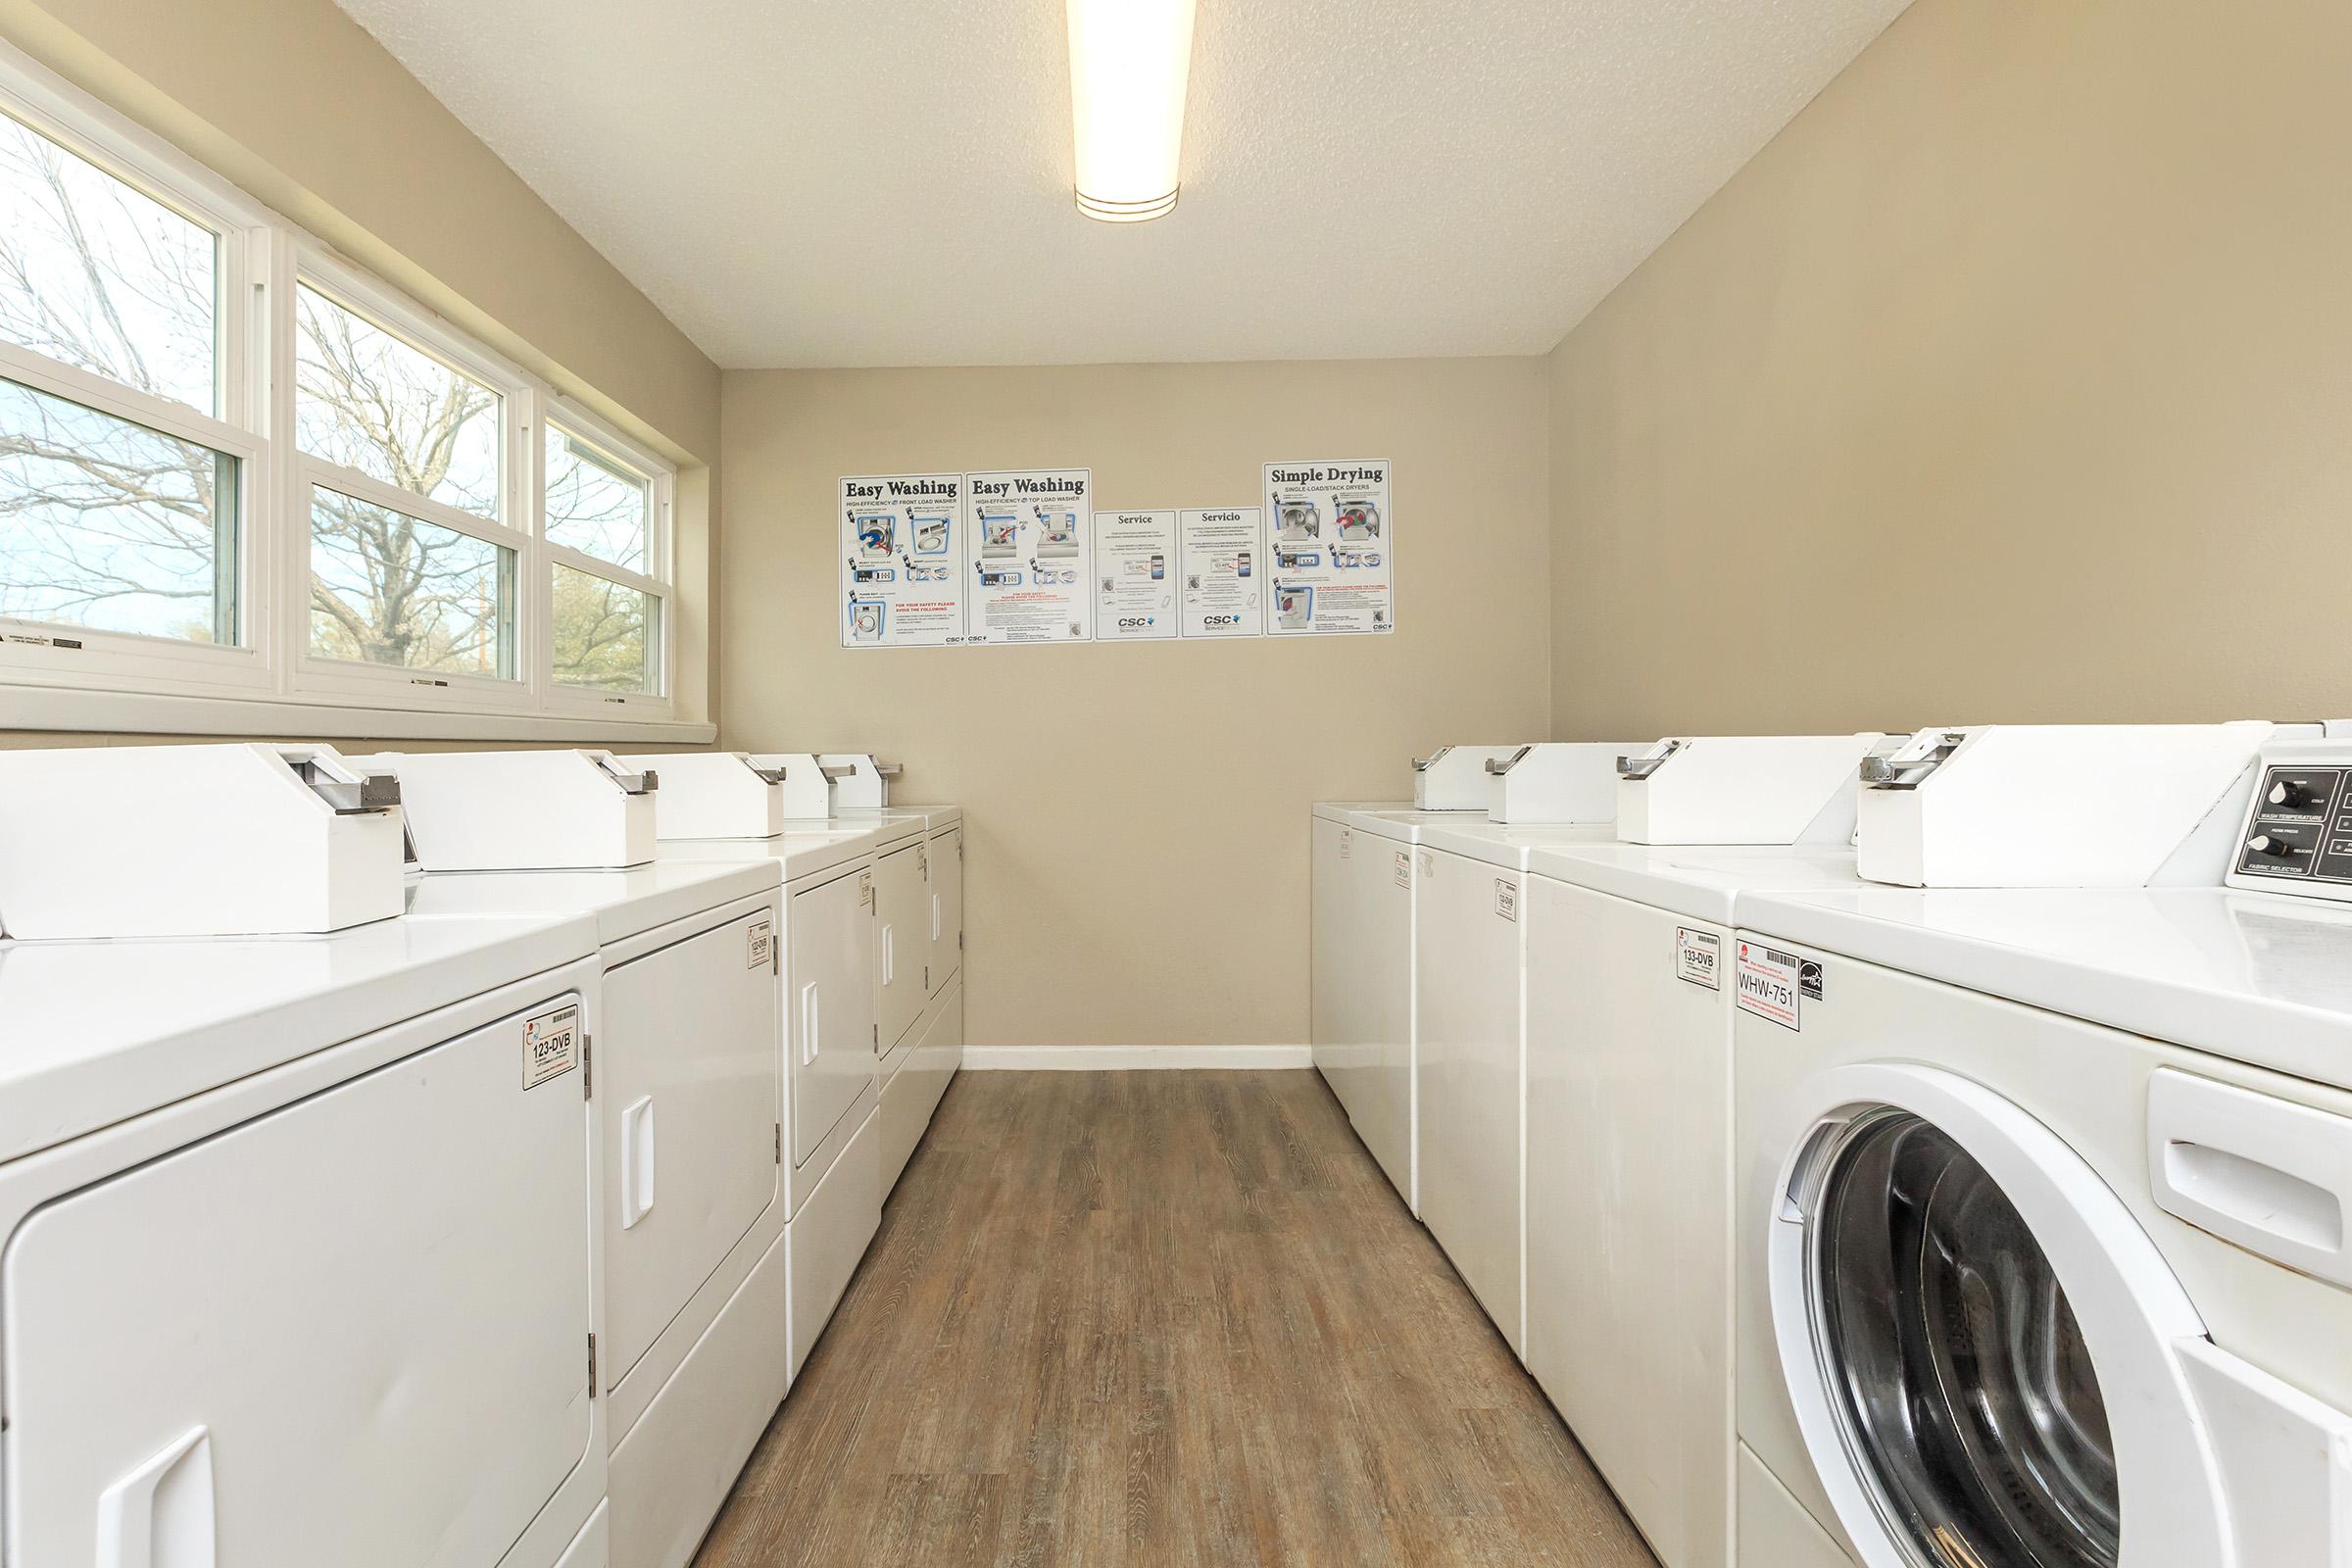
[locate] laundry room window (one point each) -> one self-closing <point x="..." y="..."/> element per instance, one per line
<point x="247" y="486"/>
<point x="605" y="518"/>
<point x="126" y="443"/>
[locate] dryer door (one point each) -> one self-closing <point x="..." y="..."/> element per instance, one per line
<point x="1984" y="1349"/>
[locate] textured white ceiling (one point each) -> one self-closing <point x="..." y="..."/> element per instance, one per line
<point x="847" y="182"/>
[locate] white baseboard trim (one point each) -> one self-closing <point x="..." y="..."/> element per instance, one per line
<point x="1129" y="1058"/>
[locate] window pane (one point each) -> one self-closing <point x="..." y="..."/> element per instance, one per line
<point x="390" y="589"/>
<point x="596" y="503"/>
<point x="607" y="636"/>
<point x="113" y="526"/>
<point x="102" y="277"/>
<point x="368" y="400"/>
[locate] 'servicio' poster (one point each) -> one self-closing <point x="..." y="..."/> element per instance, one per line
<point x="1134" y="575"/>
<point x="902" y="545"/>
<point x="1029" y="561"/>
<point x="1327" y="529"/>
<point x="1224" y="581"/>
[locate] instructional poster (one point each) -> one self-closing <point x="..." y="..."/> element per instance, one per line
<point x="1328" y="531"/>
<point x="902" y="547"/>
<point x="1135" y="573"/>
<point x="1224" y="554"/>
<point x="1028" y="561"/>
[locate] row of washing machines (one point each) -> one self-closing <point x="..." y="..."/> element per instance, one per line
<point x="441" y="1158"/>
<point x="1925" y="1150"/>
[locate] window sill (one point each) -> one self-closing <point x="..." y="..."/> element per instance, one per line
<point x="59" y="708"/>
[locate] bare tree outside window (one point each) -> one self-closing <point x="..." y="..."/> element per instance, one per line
<point x="104" y="522"/>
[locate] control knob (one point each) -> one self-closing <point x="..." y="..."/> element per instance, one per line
<point x="2292" y="794"/>
<point x="2270" y="848"/>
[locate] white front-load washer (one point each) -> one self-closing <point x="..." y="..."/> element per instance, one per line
<point x="1629" y="1191"/>
<point x="2041" y="1228"/>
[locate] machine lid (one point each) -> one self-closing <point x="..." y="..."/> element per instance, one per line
<point x="1984" y="1352"/>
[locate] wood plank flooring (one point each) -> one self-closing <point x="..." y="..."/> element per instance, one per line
<point x="1160" y="1318"/>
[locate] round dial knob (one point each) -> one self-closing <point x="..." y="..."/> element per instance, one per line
<point x="2292" y="794"/>
<point x="2269" y="848"/>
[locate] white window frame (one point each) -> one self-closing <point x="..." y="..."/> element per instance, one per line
<point x="59" y="676"/>
<point x="557" y="412"/>
<point x="83" y="658"/>
<point x="339" y="680"/>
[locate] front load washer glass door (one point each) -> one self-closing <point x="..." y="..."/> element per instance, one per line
<point x="1983" y="1348"/>
<point x="1960" y="1373"/>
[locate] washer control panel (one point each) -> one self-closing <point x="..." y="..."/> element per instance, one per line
<point x="2297" y="835"/>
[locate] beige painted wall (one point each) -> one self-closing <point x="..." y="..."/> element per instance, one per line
<point x="2013" y="380"/>
<point x="296" y="103"/>
<point x="1138" y="813"/>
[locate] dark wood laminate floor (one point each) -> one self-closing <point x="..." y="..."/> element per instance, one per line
<point x="1160" y="1318"/>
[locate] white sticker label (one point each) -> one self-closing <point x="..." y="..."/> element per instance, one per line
<point x="865" y="888"/>
<point x="762" y="944"/>
<point x="1507" y="898"/>
<point x="1429" y="864"/>
<point x="1698" y="957"/>
<point x="1346" y="843"/>
<point x="1404" y="869"/>
<point x="551" y="1045"/>
<point x="1767" y="984"/>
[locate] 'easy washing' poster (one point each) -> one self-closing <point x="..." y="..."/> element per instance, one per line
<point x="902" y="548"/>
<point x="1224" y="580"/>
<point x="1134" y="575"/>
<point x="1327" y="528"/>
<point x="1028" y="561"/>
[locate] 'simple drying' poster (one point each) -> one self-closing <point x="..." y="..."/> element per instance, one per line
<point x="1327" y="530"/>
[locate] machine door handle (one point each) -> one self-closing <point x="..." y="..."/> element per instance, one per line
<point x="161" y="1514"/>
<point x="636" y="1162"/>
<point x="807" y="1022"/>
<point x="2264" y="1173"/>
<point x="936" y="917"/>
<point x="890" y="956"/>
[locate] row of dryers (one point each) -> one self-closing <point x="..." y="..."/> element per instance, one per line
<point x="440" y="1157"/>
<point x="1901" y="1151"/>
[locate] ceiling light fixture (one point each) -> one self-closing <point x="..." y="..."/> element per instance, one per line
<point x="1128" y="64"/>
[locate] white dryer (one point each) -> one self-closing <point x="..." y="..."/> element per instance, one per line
<point x="689" y="1083"/>
<point x="302" y="1254"/>
<point x="829" y="1034"/>
<point x="1629" y="1183"/>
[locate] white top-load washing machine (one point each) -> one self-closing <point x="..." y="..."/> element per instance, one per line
<point x="1628" y="1026"/>
<point x="252" y="1181"/>
<point x="1361" y="976"/>
<point x="690" y="1087"/>
<point x="2043" y="1253"/>
<point x="1470" y="1040"/>
<point x="1362" y="931"/>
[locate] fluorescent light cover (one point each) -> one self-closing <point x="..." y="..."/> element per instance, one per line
<point x="1128" y="64"/>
